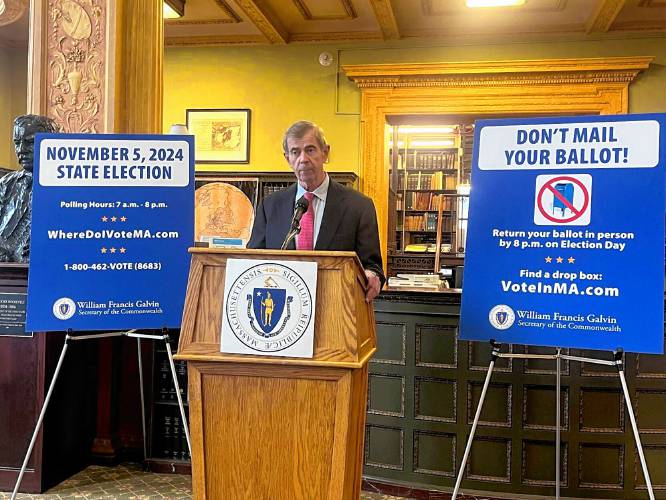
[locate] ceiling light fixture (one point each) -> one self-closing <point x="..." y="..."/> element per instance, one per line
<point x="426" y="130"/>
<point x="493" y="3"/>
<point x="445" y="143"/>
<point x="173" y="9"/>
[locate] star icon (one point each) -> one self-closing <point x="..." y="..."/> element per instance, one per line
<point x="105" y="218"/>
<point x="123" y="218"/>
<point x="114" y="218"/>
<point x="258" y="294"/>
<point x="113" y="250"/>
<point x="103" y="250"/>
<point x="571" y="260"/>
<point x="549" y="260"/>
<point x="559" y="260"/>
<point x="123" y="249"/>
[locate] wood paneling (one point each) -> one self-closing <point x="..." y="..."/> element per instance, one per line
<point x="513" y="452"/>
<point x="278" y="427"/>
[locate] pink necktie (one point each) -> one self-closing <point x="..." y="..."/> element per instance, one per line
<point x="305" y="237"/>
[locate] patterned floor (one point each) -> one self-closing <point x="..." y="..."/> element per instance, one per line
<point x="130" y="482"/>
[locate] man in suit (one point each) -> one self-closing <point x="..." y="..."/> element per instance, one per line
<point x="337" y="218"/>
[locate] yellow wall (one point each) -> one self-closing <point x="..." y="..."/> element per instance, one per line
<point x="13" y="99"/>
<point x="282" y="84"/>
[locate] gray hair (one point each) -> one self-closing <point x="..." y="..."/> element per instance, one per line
<point x="299" y="129"/>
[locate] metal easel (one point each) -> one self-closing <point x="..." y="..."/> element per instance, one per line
<point x="618" y="362"/>
<point x="69" y="337"/>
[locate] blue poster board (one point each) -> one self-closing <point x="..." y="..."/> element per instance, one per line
<point x="112" y="219"/>
<point x="565" y="243"/>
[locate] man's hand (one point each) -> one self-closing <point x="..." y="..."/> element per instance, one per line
<point x="374" y="285"/>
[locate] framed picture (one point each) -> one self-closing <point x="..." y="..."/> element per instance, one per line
<point x="220" y="135"/>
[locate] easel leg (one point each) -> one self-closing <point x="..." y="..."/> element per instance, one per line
<point x="630" y="410"/>
<point x="468" y="448"/>
<point x="180" y="399"/>
<point x="143" y="404"/>
<point x="41" y="417"/>
<point x="558" y="392"/>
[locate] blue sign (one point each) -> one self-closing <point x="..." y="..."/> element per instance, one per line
<point x="565" y="243"/>
<point x="112" y="219"/>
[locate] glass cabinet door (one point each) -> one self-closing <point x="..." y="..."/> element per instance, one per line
<point x="429" y="191"/>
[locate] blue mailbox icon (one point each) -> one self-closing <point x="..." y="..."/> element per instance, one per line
<point x="566" y="191"/>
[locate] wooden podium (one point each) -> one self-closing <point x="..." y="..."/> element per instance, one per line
<point x="266" y="427"/>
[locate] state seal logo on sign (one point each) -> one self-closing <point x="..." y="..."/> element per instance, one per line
<point x="501" y="317"/>
<point x="64" y="308"/>
<point x="269" y="307"/>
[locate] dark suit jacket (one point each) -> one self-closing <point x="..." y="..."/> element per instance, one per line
<point x="349" y="223"/>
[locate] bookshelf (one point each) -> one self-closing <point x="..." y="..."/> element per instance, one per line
<point x="167" y="445"/>
<point x="430" y="165"/>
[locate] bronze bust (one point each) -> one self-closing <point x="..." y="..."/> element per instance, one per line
<point x="16" y="190"/>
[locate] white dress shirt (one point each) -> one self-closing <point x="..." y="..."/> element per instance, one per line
<point x="318" y="204"/>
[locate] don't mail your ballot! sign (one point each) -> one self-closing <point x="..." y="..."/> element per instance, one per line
<point x="565" y="243"/>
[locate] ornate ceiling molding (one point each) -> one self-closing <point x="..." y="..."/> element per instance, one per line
<point x="266" y="22"/>
<point x="481" y="73"/>
<point x="194" y="22"/>
<point x="213" y="40"/>
<point x="337" y="36"/>
<point x="226" y="8"/>
<point x="13" y="11"/>
<point x="350" y="12"/>
<point x="604" y="16"/>
<point x="659" y="4"/>
<point x="386" y="19"/>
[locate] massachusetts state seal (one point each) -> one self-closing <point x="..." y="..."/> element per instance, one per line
<point x="501" y="317"/>
<point x="269" y="307"/>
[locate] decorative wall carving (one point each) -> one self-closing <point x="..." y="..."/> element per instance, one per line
<point x="12" y="10"/>
<point x="75" y="67"/>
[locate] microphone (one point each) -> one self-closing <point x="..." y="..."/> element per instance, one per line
<point x="301" y="207"/>
<point x="299" y="210"/>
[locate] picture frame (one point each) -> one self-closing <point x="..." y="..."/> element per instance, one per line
<point x="220" y="135"/>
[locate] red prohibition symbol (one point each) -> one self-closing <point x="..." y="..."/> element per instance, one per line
<point x="575" y="211"/>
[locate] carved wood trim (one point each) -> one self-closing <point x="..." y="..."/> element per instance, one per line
<point x="477" y="88"/>
<point x="226" y="8"/>
<point x="69" y="59"/>
<point x="13" y="11"/>
<point x="350" y="12"/>
<point x="266" y="22"/>
<point x="212" y="40"/>
<point x="604" y="16"/>
<point x="386" y="18"/>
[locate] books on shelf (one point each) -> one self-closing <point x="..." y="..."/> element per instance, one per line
<point x="165" y="388"/>
<point x="424" y="222"/>
<point x="426" y="180"/>
<point x="430" y="160"/>
<point x="423" y="201"/>
<point x="171" y="441"/>
<point x="425" y="281"/>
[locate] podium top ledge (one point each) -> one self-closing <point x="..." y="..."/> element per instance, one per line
<point x="271" y="253"/>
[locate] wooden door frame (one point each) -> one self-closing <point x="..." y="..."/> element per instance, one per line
<point x="527" y="87"/>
